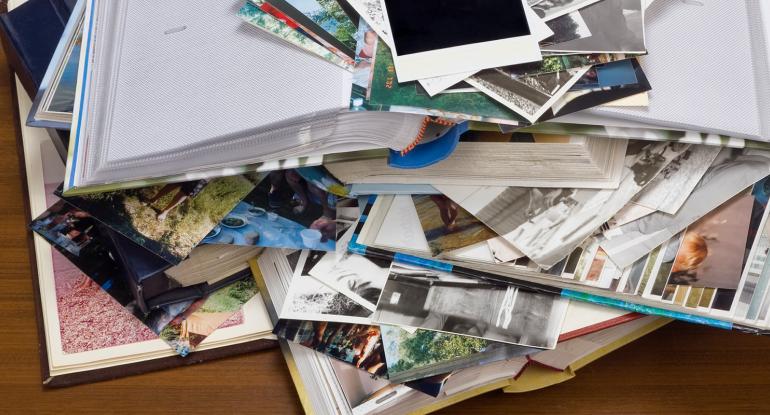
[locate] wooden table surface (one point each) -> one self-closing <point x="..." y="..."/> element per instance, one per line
<point x="678" y="369"/>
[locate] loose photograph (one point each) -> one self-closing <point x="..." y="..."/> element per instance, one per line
<point x="731" y="173"/>
<point x="187" y="330"/>
<point x="169" y="220"/>
<point x="447" y="226"/>
<point x="77" y="236"/>
<point x="548" y="224"/>
<point x="357" y="344"/>
<point x="433" y="300"/>
<point x="310" y="299"/>
<point x="358" y="277"/>
<point x="714" y="249"/>
<point x="616" y="26"/>
<point x="529" y="96"/>
<point x="285" y="210"/>
<point x="330" y="16"/>
<point x="551" y="9"/>
<point x="419" y="354"/>
<point x="567" y="27"/>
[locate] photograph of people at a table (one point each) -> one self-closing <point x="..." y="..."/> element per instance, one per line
<point x="284" y="210"/>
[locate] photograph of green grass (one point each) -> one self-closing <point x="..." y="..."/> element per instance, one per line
<point x="169" y="220"/>
<point x="189" y="329"/>
<point x="447" y="226"/>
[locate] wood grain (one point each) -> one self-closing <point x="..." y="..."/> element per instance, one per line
<point x="678" y="369"/>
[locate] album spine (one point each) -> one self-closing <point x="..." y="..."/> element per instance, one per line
<point x="645" y="309"/>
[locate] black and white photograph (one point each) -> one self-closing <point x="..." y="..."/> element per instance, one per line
<point x="433" y="300"/>
<point x="674" y="184"/>
<point x="530" y="96"/>
<point x="616" y="26"/>
<point x="359" y="277"/>
<point x="310" y="299"/>
<point x="548" y="224"/>
<point x="567" y="27"/>
<point x="551" y="9"/>
<point x="733" y="171"/>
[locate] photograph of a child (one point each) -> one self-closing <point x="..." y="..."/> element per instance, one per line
<point x="169" y="220"/>
<point x="357" y="344"/>
<point x="284" y="210"/>
<point x="447" y="226"/>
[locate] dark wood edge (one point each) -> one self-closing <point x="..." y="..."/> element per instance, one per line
<point x="132" y="369"/>
<point x="115" y="371"/>
<point x="43" y="351"/>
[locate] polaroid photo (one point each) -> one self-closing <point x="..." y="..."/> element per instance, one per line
<point x="435" y="85"/>
<point x="433" y="38"/>
<point x="441" y="301"/>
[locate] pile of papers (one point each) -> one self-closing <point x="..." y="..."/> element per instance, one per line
<point x="428" y="195"/>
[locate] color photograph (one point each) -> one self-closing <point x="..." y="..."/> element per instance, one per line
<point x="330" y="16"/>
<point x="357" y="344"/>
<point x="715" y="248"/>
<point x="187" y="330"/>
<point x="285" y="210"/>
<point x="72" y="233"/>
<point x="447" y="226"/>
<point x="169" y="220"/>
<point x="422" y="353"/>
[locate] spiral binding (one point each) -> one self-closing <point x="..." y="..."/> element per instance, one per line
<point x="428" y="120"/>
